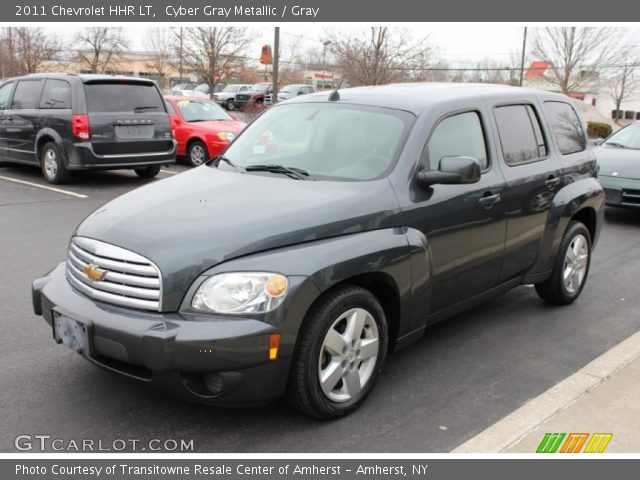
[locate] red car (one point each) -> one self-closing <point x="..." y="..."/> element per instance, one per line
<point x="201" y="127"/>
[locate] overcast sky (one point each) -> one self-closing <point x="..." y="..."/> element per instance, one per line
<point x="453" y="42"/>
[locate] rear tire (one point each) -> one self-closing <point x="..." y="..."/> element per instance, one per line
<point x="148" y="172"/>
<point x="339" y="354"/>
<point x="197" y="153"/>
<point x="52" y="165"/>
<point x="571" y="267"/>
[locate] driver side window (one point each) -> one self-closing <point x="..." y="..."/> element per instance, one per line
<point x="458" y="135"/>
<point x="5" y="95"/>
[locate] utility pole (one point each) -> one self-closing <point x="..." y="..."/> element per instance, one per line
<point x="275" y="65"/>
<point x="181" y="55"/>
<point x="524" y="48"/>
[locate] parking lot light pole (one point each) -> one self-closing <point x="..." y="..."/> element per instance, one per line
<point x="325" y="44"/>
<point x="275" y="66"/>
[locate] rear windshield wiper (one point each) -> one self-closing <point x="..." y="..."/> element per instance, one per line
<point x="292" y="172"/>
<point x="146" y="107"/>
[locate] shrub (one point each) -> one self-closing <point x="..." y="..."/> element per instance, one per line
<point x="599" y="129"/>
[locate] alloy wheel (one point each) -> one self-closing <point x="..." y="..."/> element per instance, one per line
<point x="576" y="261"/>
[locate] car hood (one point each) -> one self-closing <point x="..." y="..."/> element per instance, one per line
<point x="622" y="162"/>
<point x="193" y="221"/>
<point x="232" y="126"/>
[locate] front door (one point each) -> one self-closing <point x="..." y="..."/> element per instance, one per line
<point x="21" y="121"/>
<point x="464" y="224"/>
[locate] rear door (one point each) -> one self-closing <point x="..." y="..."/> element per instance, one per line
<point x="533" y="177"/>
<point x="21" y="121"/>
<point x="6" y="91"/>
<point x="127" y="118"/>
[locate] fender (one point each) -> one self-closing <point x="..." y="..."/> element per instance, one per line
<point x="576" y="196"/>
<point x="49" y="132"/>
<point x="399" y="254"/>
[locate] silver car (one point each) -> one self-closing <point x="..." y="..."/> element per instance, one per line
<point x="290" y="91"/>
<point x="226" y="98"/>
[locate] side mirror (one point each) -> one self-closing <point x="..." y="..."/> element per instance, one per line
<point x="452" y="170"/>
<point x="233" y="115"/>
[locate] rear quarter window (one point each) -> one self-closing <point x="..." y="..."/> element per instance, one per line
<point x="566" y="127"/>
<point x="123" y="97"/>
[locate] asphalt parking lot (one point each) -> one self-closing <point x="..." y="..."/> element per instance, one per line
<point x="463" y="376"/>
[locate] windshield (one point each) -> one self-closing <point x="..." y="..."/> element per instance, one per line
<point x="628" y="137"/>
<point x="289" y="89"/>
<point x="199" y="111"/>
<point x="327" y="140"/>
<point x="231" y="88"/>
<point x="260" y="87"/>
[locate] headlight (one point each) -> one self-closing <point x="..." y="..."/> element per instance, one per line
<point x="226" y="136"/>
<point x="241" y="292"/>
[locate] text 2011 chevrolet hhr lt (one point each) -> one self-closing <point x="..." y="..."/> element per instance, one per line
<point x="334" y="229"/>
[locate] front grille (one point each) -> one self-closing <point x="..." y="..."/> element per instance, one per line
<point x="129" y="279"/>
<point x="631" y="196"/>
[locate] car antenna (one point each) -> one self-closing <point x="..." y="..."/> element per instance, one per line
<point x="335" y="95"/>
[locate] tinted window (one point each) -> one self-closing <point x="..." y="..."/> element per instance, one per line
<point x="520" y="134"/>
<point x="56" y="94"/>
<point x="27" y="95"/>
<point x="123" y="97"/>
<point x="459" y="135"/>
<point x="566" y="127"/>
<point x="5" y="95"/>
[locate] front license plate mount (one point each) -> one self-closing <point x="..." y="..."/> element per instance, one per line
<point x="71" y="333"/>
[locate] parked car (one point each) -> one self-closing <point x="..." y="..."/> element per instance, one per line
<point x="202" y="128"/>
<point x="255" y="95"/>
<point x="184" y="86"/>
<point x="204" y="88"/>
<point x="188" y="93"/>
<point x="290" y="91"/>
<point x="227" y="97"/>
<point x="65" y="123"/>
<point x="376" y="213"/>
<point x="619" y="161"/>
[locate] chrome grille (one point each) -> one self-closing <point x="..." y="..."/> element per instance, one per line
<point x="129" y="279"/>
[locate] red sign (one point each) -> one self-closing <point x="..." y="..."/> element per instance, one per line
<point x="265" y="57"/>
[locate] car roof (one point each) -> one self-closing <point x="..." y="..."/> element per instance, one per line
<point x="416" y="97"/>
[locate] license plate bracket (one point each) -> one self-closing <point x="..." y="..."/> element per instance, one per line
<point x="71" y="333"/>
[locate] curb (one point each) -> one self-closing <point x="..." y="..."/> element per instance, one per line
<point x="515" y="426"/>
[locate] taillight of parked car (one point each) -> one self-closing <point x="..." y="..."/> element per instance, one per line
<point x="80" y="126"/>
<point x="173" y="120"/>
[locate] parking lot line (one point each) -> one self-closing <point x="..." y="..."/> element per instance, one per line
<point x="44" y="187"/>
<point x="167" y="171"/>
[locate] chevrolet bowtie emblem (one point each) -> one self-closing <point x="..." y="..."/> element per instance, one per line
<point x="94" y="273"/>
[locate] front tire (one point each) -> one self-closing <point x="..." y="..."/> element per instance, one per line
<point x="571" y="267"/>
<point x="148" y="172"/>
<point x="340" y="353"/>
<point x="197" y="153"/>
<point x="52" y="165"/>
<point x="231" y="105"/>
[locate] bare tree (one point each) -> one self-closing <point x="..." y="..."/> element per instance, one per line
<point x="99" y="47"/>
<point x="35" y="47"/>
<point x="577" y="54"/>
<point x="159" y="43"/>
<point x="214" y="52"/>
<point x="382" y="55"/>
<point x="8" y="60"/>
<point x="623" y="85"/>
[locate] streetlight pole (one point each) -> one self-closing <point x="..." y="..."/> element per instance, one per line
<point x="275" y="66"/>
<point x="524" y="47"/>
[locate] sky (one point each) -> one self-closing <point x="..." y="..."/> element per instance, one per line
<point x="456" y="45"/>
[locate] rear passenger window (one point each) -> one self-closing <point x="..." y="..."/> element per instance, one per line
<point x="520" y="134"/>
<point x="56" y="94"/>
<point x="27" y="95"/>
<point x="566" y="127"/>
<point x="458" y="135"/>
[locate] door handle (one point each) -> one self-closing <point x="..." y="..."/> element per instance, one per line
<point x="488" y="200"/>
<point x="552" y="182"/>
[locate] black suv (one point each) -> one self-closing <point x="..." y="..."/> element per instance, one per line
<point x="335" y="228"/>
<point x="65" y="122"/>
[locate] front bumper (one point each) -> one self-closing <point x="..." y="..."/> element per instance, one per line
<point x="207" y="359"/>
<point x="621" y="192"/>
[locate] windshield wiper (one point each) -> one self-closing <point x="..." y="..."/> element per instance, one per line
<point x="297" y="173"/>
<point x="618" y="145"/>
<point x="145" y="107"/>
